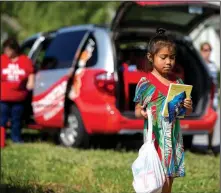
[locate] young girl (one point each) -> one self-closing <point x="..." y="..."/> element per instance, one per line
<point x="151" y="92"/>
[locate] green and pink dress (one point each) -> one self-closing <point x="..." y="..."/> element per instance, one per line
<point x="168" y="137"/>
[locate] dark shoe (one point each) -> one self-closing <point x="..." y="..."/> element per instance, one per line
<point x="216" y="150"/>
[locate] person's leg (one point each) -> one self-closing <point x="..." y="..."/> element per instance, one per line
<point x="210" y="135"/>
<point x="213" y="140"/>
<point x="167" y="188"/>
<point x="5" y="113"/>
<point x="210" y="140"/>
<point x="4" y="117"/>
<point x="16" y="121"/>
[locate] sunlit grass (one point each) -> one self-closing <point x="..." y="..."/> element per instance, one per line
<point x="40" y="167"/>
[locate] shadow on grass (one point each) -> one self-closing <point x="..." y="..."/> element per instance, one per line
<point x="29" y="136"/>
<point x="203" y="149"/>
<point x="114" y="142"/>
<point x="134" y="142"/>
<point x="117" y="142"/>
<point x="6" y="188"/>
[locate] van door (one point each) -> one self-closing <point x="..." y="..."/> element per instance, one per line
<point x="54" y="70"/>
<point x="179" y="16"/>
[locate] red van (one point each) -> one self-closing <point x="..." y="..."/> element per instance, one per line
<point x="86" y="75"/>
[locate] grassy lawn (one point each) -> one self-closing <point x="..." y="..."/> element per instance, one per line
<point x="44" y="167"/>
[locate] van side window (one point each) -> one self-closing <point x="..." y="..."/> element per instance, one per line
<point x="88" y="56"/>
<point x="26" y="47"/>
<point x="39" y="55"/>
<point x="61" y="51"/>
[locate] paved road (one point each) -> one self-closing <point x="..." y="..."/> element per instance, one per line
<point x="203" y="139"/>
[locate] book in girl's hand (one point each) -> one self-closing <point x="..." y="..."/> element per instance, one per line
<point x="173" y="106"/>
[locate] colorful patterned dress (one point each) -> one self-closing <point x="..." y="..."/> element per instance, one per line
<point x="168" y="137"/>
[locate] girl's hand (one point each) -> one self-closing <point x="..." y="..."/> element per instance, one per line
<point x="143" y="112"/>
<point x="140" y="112"/>
<point x="188" y="105"/>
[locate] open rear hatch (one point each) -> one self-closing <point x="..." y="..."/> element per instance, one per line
<point x="178" y="17"/>
<point x="181" y="17"/>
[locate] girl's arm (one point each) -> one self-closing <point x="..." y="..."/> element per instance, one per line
<point x="139" y="111"/>
<point x="189" y="111"/>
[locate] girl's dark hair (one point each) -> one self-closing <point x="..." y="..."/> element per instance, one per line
<point x="12" y="43"/>
<point x="157" y="42"/>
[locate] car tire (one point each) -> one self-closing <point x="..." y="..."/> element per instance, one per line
<point x="188" y="141"/>
<point x="74" y="133"/>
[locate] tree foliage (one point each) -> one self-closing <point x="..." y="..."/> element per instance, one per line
<point x="44" y="16"/>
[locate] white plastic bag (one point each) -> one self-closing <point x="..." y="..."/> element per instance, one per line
<point x="147" y="170"/>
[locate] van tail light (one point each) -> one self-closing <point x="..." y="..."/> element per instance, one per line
<point x="105" y="82"/>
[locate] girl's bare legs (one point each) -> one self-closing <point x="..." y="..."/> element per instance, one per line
<point x="167" y="187"/>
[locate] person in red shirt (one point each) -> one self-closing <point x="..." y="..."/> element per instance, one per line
<point x="17" y="79"/>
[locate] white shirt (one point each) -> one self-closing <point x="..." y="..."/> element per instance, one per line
<point x="213" y="70"/>
<point x="214" y="73"/>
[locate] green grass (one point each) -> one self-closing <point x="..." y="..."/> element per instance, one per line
<point x="43" y="167"/>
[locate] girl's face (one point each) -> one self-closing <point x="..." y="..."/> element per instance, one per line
<point x="164" y="60"/>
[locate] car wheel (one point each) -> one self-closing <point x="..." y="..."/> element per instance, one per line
<point x="188" y="140"/>
<point x="74" y="133"/>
